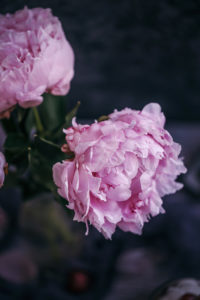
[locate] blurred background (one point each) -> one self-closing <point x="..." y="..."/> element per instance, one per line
<point x="128" y="53"/>
<point x="131" y="52"/>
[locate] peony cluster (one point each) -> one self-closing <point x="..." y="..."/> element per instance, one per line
<point x="121" y="169"/>
<point x="2" y="166"/>
<point x="35" y="57"/>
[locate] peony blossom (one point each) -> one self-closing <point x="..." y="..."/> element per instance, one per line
<point x="121" y="169"/>
<point x="2" y="167"/>
<point x="35" y="57"/>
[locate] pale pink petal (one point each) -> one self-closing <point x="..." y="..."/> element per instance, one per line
<point x="122" y="168"/>
<point x="2" y="166"/>
<point x="35" y="57"/>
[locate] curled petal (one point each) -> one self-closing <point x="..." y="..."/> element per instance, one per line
<point x="35" y="57"/>
<point x="121" y="169"/>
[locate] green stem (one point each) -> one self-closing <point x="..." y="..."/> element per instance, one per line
<point x="39" y="125"/>
<point x="48" y="142"/>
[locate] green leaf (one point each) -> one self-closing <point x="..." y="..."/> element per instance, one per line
<point x="21" y="113"/>
<point x="48" y="149"/>
<point x="57" y="133"/>
<point x="41" y="169"/>
<point x="30" y="122"/>
<point x="38" y="121"/>
<point x="16" y="151"/>
<point x="52" y="111"/>
<point x="47" y="142"/>
<point x="15" y="143"/>
<point x="71" y="114"/>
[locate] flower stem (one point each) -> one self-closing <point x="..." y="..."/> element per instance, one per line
<point x="47" y="142"/>
<point x="39" y="125"/>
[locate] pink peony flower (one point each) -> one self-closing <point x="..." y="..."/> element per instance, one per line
<point x="34" y="57"/>
<point x="2" y="167"/>
<point x="122" y="168"/>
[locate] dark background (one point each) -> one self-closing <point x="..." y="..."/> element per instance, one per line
<point x="131" y="52"/>
<point x="128" y="53"/>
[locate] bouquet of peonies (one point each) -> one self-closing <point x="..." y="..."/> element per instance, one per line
<point x="112" y="173"/>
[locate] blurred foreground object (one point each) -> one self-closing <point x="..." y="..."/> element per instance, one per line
<point x="182" y="289"/>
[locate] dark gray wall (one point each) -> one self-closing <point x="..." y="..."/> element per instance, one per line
<point x="131" y="52"/>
